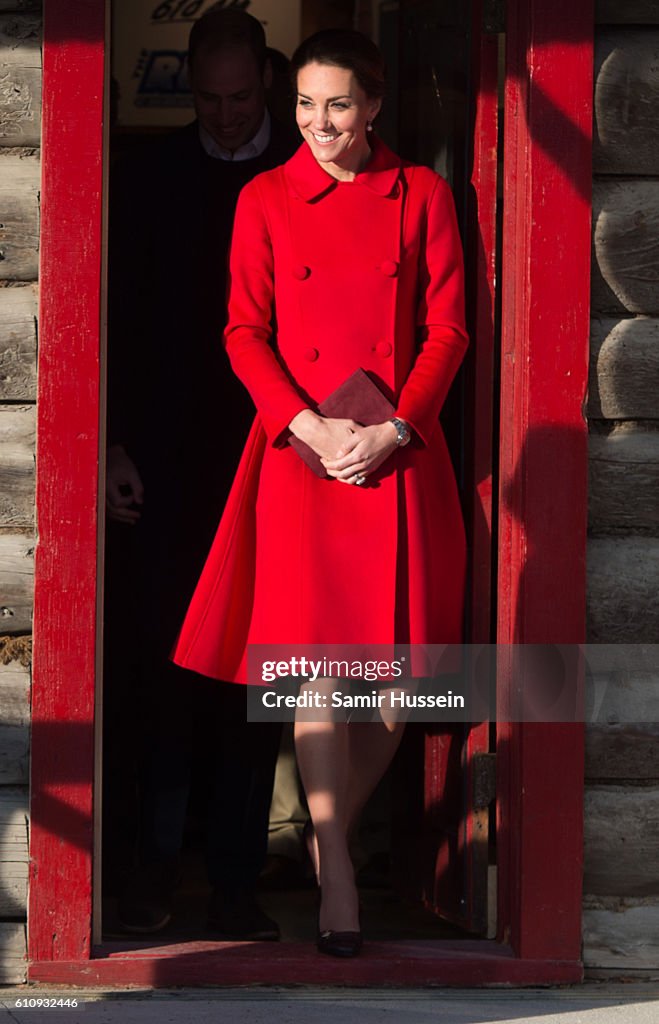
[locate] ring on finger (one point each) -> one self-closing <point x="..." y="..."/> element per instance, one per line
<point x="360" y="479"/>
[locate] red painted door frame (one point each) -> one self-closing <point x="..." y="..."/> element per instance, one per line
<point x="541" y="539"/>
<point x="543" y="457"/>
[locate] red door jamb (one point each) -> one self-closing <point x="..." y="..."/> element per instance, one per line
<point x="62" y="756"/>
<point x="543" y="457"/>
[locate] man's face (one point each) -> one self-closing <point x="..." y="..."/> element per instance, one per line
<point x="228" y="89"/>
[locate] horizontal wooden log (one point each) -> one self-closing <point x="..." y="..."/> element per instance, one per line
<point x="20" y="107"/>
<point x="18" y="348"/>
<point x="19" y="217"/>
<point x="626" y="102"/>
<point x="621" y="933"/>
<point x="626" y="693"/>
<point x="20" y="39"/>
<point x="623" y="590"/>
<point x="16" y="582"/>
<point x="13" y="952"/>
<point x="624" y="368"/>
<point x="625" y="751"/>
<point x="14" y="755"/>
<point x="13" y="851"/>
<point x="17" y="450"/>
<point x="623" y="490"/>
<point x="625" y="12"/>
<point x="625" y="265"/>
<point x="20" y="80"/>
<point x="621" y="840"/>
<point x="14" y="694"/>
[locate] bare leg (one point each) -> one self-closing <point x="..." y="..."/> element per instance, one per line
<point x="340" y="766"/>
<point x="372" y="746"/>
<point x="323" y="759"/>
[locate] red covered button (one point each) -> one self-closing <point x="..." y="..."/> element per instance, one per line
<point x="383" y="348"/>
<point x="301" y="272"/>
<point x="311" y="354"/>
<point x="389" y="267"/>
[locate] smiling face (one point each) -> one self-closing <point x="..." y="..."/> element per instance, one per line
<point x="332" y="113"/>
<point x="228" y="89"/>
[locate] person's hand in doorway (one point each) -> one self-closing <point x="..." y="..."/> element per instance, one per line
<point x="124" y="490"/>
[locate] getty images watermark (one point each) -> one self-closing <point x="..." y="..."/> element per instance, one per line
<point x="607" y="683"/>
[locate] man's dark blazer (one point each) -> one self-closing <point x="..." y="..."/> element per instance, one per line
<point x="173" y="401"/>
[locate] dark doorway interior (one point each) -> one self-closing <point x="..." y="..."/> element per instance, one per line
<point x="428" y="48"/>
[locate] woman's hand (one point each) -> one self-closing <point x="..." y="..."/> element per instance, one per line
<point x="328" y="437"/>
<point x="362" y="453"/>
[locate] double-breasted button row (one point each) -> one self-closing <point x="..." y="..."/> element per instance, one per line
<point x="383" y="348"/>
<point x="388" y="267"/>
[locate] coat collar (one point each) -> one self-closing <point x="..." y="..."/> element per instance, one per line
<point x="309" y="181"/>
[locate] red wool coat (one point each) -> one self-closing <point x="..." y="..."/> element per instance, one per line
<point x="327" y="277"/>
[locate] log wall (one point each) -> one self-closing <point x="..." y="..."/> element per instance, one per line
<point x="20" y="119"/>
<point x="621" y="882"/>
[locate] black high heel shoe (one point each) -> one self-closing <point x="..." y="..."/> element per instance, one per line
<point x="339" y="943"/>
<point x="344" y="944"/>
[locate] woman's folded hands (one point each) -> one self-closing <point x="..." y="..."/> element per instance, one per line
<point x="346" y="449"/>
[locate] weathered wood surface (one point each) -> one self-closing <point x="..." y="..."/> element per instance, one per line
<point x="620" y="932"/>
<point x="621" y="840"/>
<point x="17" y="447"/>
<point x="14" y="755"/>
<point x="13" y="946"/>
<point x="626" y="12"/>
<point x="623" y="590"/>
<point x="625" y="751"/>
<point x="20" y="38"/>
<point x="626" y="693"/>
<point x="16" y="582"/>
<point x="13" y="850"/>
<point x="14" y="725"/>
<point x="624" y="368"/>
<point x="625" y="265"/>
<point x="626" y="102"/>
<point x="20" y="5"/>
<point x="14" y="694"/>
<point x="18" y="343"/>
<point x="19" y="217"/>
<point x="623" y="491"/>
<point x="20" y="80"/>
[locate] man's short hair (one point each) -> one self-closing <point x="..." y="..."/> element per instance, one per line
<point x="227" y="28"/>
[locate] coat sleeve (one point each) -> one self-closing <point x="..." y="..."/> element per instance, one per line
<point x="440" y="317"/>
<point x="249" y="333"/>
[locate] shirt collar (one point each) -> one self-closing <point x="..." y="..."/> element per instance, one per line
<point x="256" y="145"/>
<point x="309" y="181"/>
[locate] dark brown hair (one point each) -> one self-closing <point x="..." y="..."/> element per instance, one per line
<point x="227" y="28"/>
<point x="343" y="48"/>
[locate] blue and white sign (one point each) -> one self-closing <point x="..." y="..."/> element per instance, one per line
<point x="149" y="52"/>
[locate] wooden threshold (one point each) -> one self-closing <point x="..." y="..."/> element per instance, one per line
<point x="470" y="963"/>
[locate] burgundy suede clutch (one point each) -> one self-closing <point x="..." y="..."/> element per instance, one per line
<point x="359" y="399"/>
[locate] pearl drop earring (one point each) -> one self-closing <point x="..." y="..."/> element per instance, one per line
<point x="369" y="126"/>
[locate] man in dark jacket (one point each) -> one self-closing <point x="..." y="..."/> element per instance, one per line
<point x="177" y="423"/>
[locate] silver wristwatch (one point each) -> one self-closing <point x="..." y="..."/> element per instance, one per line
<point x="403" y="435"/>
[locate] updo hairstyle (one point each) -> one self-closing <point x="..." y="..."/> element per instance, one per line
<point x="343" y="48"/>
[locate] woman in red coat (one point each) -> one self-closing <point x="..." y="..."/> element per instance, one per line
<point x="344" y="257"/>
